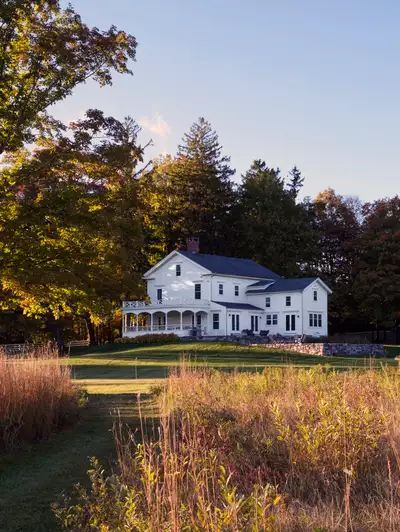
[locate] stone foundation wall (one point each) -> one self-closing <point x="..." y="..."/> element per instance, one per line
<point x="348" y="350"/>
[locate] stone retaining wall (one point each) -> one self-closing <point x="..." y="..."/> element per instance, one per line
<point x="331" y="349"/>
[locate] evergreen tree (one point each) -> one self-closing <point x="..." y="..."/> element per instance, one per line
<point x="274" y="229"/>
<point x="190" y="195"/>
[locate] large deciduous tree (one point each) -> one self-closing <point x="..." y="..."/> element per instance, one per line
<point x="337" y="221"/>
<point x="70" y="222"/>
<point x="377" y="282"/>
<point x="190" y="194"/>
<point x="46" y="51"/>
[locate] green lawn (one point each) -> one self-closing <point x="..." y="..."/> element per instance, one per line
<point x="33" y="477"/>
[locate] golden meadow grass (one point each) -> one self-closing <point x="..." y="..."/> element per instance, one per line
<point x="283" y="450"/>
<point x="37" y="396"/>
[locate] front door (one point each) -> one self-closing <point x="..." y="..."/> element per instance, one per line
<point x="290" y="322"/>
<point x="254" y="323"/>
<point x="235" y="323"/>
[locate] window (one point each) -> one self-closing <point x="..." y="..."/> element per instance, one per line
<point x="215" y="322"/>
<point x="254" y="323"/>
<point x="159" y="295"/>
<point x="290" y="322"/>
<point x="178" y="270"/>
<point x="315" y="320"/>
<point x="267" y="302"/>
<point x="235" y="322"/>
<point x="220" y="289"/>
<point x="315" y="295"/>
<point x="272" y="319"/>
<point x="288" y="301"/>
<point x="197" y="291"/>
<point x="236" y="289"/>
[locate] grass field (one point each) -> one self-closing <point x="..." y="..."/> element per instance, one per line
<point x="32" y="478"/>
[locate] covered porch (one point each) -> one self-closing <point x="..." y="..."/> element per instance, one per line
<point x="180" y="322"/>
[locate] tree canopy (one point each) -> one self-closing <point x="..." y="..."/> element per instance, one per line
<point x="46" y="51"/>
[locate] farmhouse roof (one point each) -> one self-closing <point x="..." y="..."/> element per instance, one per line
<point x="230" y="265"/>
<point x="239" y="306"/>
<point x="281" y="285"/>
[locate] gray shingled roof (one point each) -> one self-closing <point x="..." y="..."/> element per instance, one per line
<point x="284" y="285"/>
<point x="239" y="306"/>
<point x="230" y="265"/>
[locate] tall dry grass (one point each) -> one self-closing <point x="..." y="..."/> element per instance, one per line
<point x="37" y="396"/>
<point x="284" y="450"/>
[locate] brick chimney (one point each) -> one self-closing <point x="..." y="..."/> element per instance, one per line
<point x="193" y="244"/>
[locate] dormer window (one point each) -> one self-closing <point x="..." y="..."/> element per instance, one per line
<point x="315" y="295"/>
<point x="178" y="270"/>
<point x="221" y="289"/>
<point x="288" y="301"/>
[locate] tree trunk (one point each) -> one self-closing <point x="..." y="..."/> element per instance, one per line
<point x="91" y="330"/>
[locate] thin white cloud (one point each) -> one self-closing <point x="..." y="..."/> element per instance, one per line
<point x="156" y="125"/>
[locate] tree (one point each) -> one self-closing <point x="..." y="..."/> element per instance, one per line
<point x="274" y="229"/>
<point x="377" y="280"/>
<point x="296" y="182"/>
<point x="338" y="223"/>
<point x="70" y="221"/>
<point x="45" y="52"/>
<point x="190" y="194"/>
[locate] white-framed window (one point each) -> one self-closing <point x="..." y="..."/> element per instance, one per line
<point x="272" y="319"/>
<point x="315" y="320"/>
<point x="178" y="270"/>
<point x="236" y="289"/>
<point x="290" y="322"/>
<point x="288" y="301"/>
<point x="197" y="291"/>
<point x="235" y="322"/>
<point x="220" y="289"/>
<point x="268" y="302"/>
<point x="215" y="322"/>
<point x="315" y="295"/>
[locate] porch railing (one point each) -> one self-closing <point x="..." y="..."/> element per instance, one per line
<point x="165" y="302"/>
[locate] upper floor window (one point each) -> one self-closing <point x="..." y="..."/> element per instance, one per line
<point x="159" y="295"/>
<point x="220" y="289"/>
<point x="288" y="301"/>
<point x="236" y="289"/>
<point x="267" y="302"/>
<point x="197" y="291"/>
<point x="178" y="270"/>
<point x="315" y="295"/>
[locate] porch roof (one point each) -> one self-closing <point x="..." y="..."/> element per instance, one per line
<point x="239" y="306"/>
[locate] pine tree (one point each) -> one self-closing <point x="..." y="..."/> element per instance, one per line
<point x="190" y="195"/>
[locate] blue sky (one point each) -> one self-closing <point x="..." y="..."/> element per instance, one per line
<point x="309" y="83"/>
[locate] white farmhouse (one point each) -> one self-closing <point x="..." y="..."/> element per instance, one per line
<point x="194" y="293"/>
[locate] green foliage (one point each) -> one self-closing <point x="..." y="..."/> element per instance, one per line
<point x="275" y="230"/>
<point x="190" y="195"/>
<point x="46" y="51"/>
<point x="377" y="282"/>
<point x="70" y="223"/>
<point x="149" y="339"/>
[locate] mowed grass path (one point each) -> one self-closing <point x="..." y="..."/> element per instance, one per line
<point x="33" y="477"/>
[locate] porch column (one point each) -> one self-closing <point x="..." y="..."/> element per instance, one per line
<point x="181" y="323"/>
<point x="166" y="321"/>
<point x="151" y="322"/>
<point x="123" y="324"/>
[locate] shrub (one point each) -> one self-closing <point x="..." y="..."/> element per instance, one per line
<point x="283" y="450"/>
<point x="37" y="396"/>
<point x="146" y="339"/>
